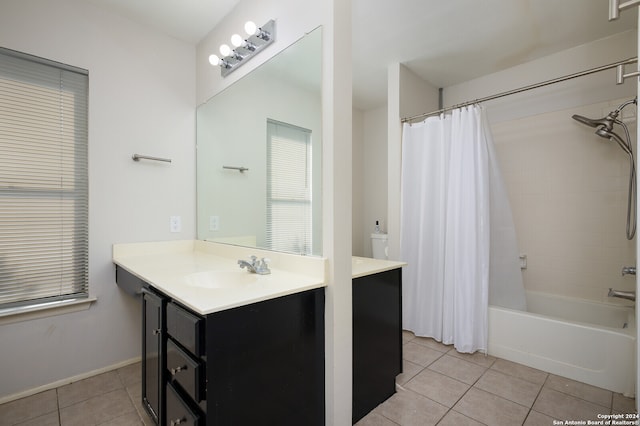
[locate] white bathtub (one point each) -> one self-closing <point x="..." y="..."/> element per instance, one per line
<point x="591" y="342"/>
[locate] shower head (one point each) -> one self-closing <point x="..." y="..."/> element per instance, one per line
<point x="605" y="126"/>
<point x="588" y="121"/>
<point x="603" y="132"/>
<point x="605" y="129"/>
<point x="605" y="122"/>
<point x="611" y="135"/>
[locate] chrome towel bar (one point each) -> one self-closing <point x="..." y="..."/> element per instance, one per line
<point x="240" y="169"/>
<point x="138" y="157"/>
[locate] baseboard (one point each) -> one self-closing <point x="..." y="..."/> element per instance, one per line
<point x="58" y="383"/>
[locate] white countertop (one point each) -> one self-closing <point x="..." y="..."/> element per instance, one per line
<point x="362" y="266"/>
<point x="205" y="276"/>
<point x="180" y="270"/>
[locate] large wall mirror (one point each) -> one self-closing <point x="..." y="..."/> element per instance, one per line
<point x="259" y="154"/>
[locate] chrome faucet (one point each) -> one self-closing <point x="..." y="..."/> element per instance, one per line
<point x="629" y="295"/>
<point x="628" y="270"/>
<point x="256" y="266"/>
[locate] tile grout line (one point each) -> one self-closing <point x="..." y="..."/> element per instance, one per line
<point x="536" y="398"/>
<point x="58" y="408"/>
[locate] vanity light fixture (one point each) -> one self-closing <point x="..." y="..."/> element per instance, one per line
<point x="244" y="49"/>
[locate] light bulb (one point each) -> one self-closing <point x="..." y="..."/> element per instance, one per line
<point x="237" y="40"/>
<point x="250" y="28"/>
<point x="225" y="50"/>
<point x="214" y="60"/>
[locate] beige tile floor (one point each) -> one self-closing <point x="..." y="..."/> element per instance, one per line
<point x="438" y="387"/>
<point x="442" y="387"/>
<point x="109" y="399"/>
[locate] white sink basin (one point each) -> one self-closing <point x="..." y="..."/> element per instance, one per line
<point x="220" y="279"/>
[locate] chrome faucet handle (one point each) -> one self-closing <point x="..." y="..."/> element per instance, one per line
<point x="251" y="266"/>
<point x="263" y="266"/>
<point x="628" y="270"/>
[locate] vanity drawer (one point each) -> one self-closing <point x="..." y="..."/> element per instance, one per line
<point x="186" y="328"/>
<point x="179" y="412"/>
<point x="186" y="371"/>
<point x="129" y="282"/>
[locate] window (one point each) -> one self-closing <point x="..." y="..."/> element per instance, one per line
<point x="43" y="181"/>
<point x="288" y="188"/>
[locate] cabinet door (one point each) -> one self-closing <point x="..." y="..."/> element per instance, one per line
<point x="152" y="354"/>
<point x="265" y="362"/>
<point x="377" y="339"/>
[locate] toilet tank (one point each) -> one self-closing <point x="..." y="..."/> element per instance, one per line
<point x="379" y="246"/>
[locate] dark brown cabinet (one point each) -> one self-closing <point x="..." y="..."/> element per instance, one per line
<point x="258" y="364"/>
<point x="153" y="352"/>
<point x="377" y="339"/>
<point x="179" y="411"/>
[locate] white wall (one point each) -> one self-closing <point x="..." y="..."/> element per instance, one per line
<point x="374" y="184"/>
<point x="141" y="100"/>
<point x="358" y="243"/>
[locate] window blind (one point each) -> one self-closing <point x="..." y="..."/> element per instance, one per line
<point x="288" y="188"/>
<point x="43" y="180"/>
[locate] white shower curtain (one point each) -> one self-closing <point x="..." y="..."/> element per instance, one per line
<point x="450" y="183"/>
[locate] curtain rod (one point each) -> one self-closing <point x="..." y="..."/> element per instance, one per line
<point x="524" y="89"/>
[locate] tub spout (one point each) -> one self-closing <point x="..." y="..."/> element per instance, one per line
<point x="629" y="295"/>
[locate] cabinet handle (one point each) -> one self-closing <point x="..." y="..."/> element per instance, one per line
<point x="178" y="421"/>
<point x="176" y="370"/>
<point x="156" y="331"/>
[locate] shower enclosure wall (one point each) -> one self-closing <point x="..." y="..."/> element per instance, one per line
<point x="568" y="190"/>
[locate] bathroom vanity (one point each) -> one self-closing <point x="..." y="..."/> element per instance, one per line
<point x="222" y="346"/>
<point x="377" y="332"/>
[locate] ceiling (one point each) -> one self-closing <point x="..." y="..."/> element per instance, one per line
<point x="187" y="20"/>
<point x="448" y="42"/>
<point x="444" y="42"/>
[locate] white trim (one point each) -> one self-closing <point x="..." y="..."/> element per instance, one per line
<point x="62" y="382"/>
<point x="10" y="316"/>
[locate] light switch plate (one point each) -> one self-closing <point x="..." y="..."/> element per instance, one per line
<point x="175" y="224"/>
<point x="214" y="223"/>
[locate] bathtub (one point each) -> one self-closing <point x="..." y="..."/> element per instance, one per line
<point x="591" y="342"/>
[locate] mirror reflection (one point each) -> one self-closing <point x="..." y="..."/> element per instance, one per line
<point x="259" y="155"/>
